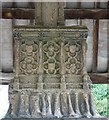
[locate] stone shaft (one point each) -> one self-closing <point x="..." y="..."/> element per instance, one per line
<point x="49" y="14"/>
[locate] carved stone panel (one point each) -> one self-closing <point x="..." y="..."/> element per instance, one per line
<point x="51" y="57"/>
<point x="29" y="56"/>
<point x="73" y="58"/>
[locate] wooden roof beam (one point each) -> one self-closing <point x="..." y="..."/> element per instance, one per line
<point x="86" y="14"/>
<point x="21" y="13"/>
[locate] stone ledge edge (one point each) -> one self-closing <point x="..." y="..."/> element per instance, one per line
<point x="55" y="119"/>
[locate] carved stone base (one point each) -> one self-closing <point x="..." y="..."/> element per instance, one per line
<point x="52" y="104"/>
<point x="50" y="80"/>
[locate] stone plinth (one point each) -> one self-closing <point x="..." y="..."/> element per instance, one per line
<point x="50" y="80"/>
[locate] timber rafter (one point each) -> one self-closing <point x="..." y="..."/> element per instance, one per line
<point x="25" y="13"/>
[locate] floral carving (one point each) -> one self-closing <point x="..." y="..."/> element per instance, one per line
<point x="28" y="57"/>
<point x="73" y="64"/>
<point x="51" y="57"/>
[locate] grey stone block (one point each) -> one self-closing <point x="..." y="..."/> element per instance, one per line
<point x="55" y="119"/>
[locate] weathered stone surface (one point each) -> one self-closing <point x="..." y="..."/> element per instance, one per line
<point x="50" y="74"/>
<point x="49" y="14"/>
<point x="57" y="119"/>
<point x="50" y="80"/>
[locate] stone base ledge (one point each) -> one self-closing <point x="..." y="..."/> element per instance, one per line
<point x="55" y="119"/>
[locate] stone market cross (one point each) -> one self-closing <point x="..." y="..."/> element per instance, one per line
<point x="50" y="78"/>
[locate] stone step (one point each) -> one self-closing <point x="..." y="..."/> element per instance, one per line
<point x="55" y="119"/>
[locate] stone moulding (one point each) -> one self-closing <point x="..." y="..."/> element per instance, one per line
<point x="50" y="80"/>
<point x="57" y="119"/>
